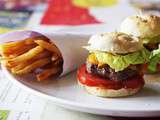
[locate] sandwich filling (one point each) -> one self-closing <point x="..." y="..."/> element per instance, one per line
<point x="91" y="80"/>
<point x="117" y="67"/>
<point x="115" y="61"/>
<point x="106" y="72"/>
<point x="151" y="43"/>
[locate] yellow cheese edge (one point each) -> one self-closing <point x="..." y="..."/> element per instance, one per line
<point x="92" y="59"/>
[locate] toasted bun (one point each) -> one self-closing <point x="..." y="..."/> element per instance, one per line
<point x="102" y="92"/>
<point x="141" y="26"/>
<point x="114" y="42"/>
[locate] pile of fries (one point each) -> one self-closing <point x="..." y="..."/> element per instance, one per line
<point x="33" y="55"/>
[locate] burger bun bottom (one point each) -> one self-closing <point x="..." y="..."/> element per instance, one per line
<point x="111" y="93"/>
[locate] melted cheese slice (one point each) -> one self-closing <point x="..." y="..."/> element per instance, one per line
<point x="92" y="59"/>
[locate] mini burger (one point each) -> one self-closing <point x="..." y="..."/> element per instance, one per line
<point x="114" y="65"/>
<point x="147" y="28"/>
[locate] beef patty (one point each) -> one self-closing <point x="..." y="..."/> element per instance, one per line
<point x="151" y="46"/>
<point x="106" y="72"/>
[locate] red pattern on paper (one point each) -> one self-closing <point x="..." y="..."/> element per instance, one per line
<point x="63" y="12"/>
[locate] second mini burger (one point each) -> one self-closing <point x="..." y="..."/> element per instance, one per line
<point x="147" y="28"/>
<point x="114" y="65"/>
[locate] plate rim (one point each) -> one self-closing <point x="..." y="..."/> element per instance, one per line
<point x="70" y="105"/>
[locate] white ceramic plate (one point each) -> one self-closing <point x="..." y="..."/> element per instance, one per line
<point x="66" y="93"/>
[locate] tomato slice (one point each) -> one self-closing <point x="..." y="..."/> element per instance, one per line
<point x="93" y="80"/>
<point x="145" y="68"/>
<point x="158" y="67"/>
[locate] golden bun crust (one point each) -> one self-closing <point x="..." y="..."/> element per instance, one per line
<point x="102" y="92"/>
<point x="114" y="42"/>
<point x="144" y="26"/>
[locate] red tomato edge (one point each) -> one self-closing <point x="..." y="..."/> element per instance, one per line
<point x="89" y="79"/>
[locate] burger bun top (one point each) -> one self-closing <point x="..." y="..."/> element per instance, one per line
<point x="144" y="26"/>
<point x="114" y="42"/>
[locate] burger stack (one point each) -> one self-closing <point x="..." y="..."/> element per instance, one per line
<point x="117" y="61"/>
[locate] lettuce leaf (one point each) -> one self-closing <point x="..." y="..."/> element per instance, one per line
<point x="155" y="39"/>
<point x="120" y="62"/>
<point x="154" y="60"/>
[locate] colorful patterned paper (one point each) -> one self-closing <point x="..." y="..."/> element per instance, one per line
<point x="10" y="20"/>
<point x="4" y="114"/>
<point x="94" y="3"/>
<point x="64" y="12"/>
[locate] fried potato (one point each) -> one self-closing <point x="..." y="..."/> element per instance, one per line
<point x="29" y="41"/>
<point x="18" y="51"/>
<point x="18" y="67"/>
<point x="58" y="62"/>
<point x="23" y="64"/>
<point x="43" y="54"/>
<point x="11" y="44"/>
<point x="54" y="57"/>
<point x="26" y="56"/>
<point x="21" y="43"/>
<point x="16" y="48"/>
<point x="5" y="63"/>
<point x="47" y="73"/>
<point x="33" y="66"/>
<point x="49" y="46"/>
